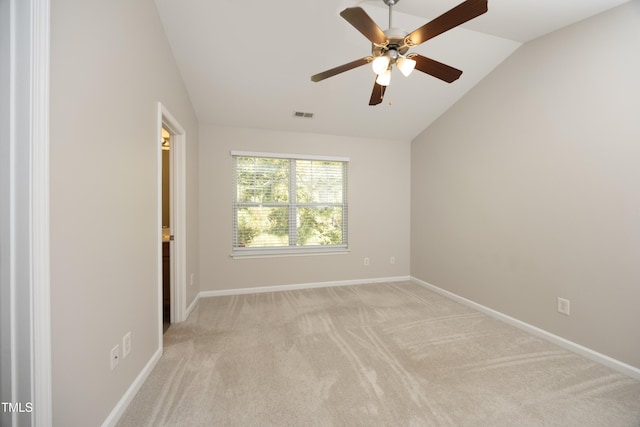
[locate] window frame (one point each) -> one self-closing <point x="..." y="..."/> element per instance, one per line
<point x="292" y="205"/>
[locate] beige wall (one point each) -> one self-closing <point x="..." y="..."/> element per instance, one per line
<point x="528" y="189"/>
<point x="378" y="209"/>
<point x="110" y="65"/>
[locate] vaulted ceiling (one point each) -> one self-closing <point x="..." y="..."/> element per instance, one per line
<point x="248" y="63"/>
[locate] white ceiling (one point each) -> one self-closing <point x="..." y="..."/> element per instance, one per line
<point x="248" y="63"/>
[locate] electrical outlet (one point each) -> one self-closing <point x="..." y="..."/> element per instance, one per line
<point x="564" y="306"/>
<point x="366" y="261"/>
<point x="392" y="260"/>
<point x="126" y="344"/>
<point x="115" y="356"/>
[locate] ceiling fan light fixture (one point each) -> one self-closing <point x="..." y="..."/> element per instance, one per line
<point x="385" y="78"/>
<point x="391" y="46"/>
<point x="405" y="65"/>
<point x="380" y="64"/>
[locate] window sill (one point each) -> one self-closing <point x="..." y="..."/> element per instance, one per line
<point x="278" y="253"/>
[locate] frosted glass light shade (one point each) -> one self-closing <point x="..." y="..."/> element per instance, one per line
<point x="405" y="65"/>
<point x="385" y="78"/>
<point x="380" y="64"/>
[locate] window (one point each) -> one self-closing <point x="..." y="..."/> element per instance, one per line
<point x="289" y="204"/>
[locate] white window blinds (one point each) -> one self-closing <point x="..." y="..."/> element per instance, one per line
<point x="292" y="202"/>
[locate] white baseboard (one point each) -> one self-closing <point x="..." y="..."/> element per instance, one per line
<point x="192" y="306"/>
<point x="278" y="288"/>
<point x="128" y="396"/>
<point x="612" y="363"/>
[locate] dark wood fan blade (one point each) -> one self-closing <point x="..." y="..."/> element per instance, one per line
<point x="377" y="94"/>
<point x="341" y="69"/>
<point x="362" y="22"/>
<point x="436" y="69"/>
<point x="448" y="20"/>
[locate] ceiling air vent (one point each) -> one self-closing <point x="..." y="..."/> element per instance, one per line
<point x="302" y="115"/>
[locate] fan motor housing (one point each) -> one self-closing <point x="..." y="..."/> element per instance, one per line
<point x="395" y="37"/>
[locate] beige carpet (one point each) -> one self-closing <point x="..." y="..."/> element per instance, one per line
<point x="391" y="354"/>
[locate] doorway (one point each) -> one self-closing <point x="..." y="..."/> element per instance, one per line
<point x="171" y="188"/>
<point x="167" y="235"/>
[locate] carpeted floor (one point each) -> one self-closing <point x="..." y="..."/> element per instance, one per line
<point x="392" y="354"/>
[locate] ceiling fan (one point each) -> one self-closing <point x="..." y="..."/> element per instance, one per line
<point x="391" y="46"/>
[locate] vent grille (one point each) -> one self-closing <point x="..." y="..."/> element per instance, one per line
<point x="302" y="115"/>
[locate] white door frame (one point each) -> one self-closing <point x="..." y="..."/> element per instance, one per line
<point x="26" y="326"/>
<point x="178" y="216"/>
